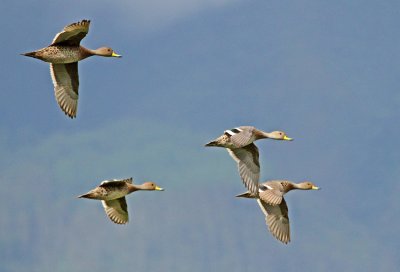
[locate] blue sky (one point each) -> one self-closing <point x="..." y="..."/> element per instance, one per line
<point x="324" y="72"/>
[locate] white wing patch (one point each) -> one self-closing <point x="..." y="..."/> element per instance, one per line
<point x="267" y="186"/>
<point x="129" y="180"/>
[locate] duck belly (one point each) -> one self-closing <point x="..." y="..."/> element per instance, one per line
<point x="59" y="54"/>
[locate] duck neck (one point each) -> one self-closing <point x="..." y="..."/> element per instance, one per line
<point x="259" y="134"/>
<point x="133" y="188"/>
<point x="86" y="52"/>
<point x="288" y="186"/>
<point x="299" y="186"/>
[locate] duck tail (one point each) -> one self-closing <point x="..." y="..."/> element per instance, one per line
<point x="29" y="54"/>
<point x="88" y="195"/>
<point x="246" y="195"/>
<point x="212" y="143"/>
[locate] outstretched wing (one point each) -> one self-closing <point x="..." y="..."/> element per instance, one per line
<point x="248" y="165"/>
<point x="277" y="220"/>
<point x="66" y="84"/>
<point x="116" y="210"/>
<point x="72" y="34"/>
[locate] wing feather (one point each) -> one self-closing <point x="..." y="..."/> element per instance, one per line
<point x="128" y="180"/>
<point x="273" y="191"/>
<point x="247" y="159"/>
<point x="277" y="220"/>
<point x="66" y="84"/>
<point x="242" y="137"/>
<point x="116" y="210"/>
<point x="72" y="34"/>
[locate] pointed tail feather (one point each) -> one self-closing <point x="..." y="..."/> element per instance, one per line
<point x="29" y="54"/>
<point x="212" y="143"/>
<point x="88" y="195"/>
<point x="246" y="195"/>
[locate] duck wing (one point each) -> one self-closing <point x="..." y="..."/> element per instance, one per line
<point x="240" y="136"/>
<point x="72" y="34"/>
<point x="271" y="192"/>
<point x="66" y="84"/>
<point x="247" y="159"/>
<point x="116" y="210"/>
<point x="116" y="181"/>
<point x="277" y="220"/>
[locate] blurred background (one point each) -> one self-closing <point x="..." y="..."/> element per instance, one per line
<point x="326" y="73"/>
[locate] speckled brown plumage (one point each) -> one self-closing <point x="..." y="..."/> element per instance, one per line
<point x="112" y="195"/>
<point x="63" y="55"/>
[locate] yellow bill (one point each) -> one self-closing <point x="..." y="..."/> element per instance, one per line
<point x="115" y="55"/>
<point x="286" y="138"/>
